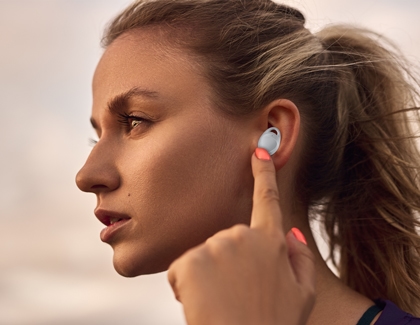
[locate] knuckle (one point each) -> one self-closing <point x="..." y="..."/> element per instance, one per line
<point x="270" y="194"/>
<point x="195" y="257"/>
<point x="278" y="238"/>
<point x="240" y="232"/>
<point x="174" y="266"/>
<point x="219" y="245"/>
<point x="229" y="240"/>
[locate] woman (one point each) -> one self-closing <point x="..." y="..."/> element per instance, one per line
<point x="181" y="96"/>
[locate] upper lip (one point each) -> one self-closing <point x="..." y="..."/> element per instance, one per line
<point x="105" y="216"/>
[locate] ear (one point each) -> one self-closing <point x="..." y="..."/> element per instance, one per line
<point x="284" y="115"/>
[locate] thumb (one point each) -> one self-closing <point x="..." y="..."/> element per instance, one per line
<point x="302" y="259"/>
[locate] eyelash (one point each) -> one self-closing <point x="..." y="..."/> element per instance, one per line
<point x="125" y="120"/>
<point x="92" y="142"/>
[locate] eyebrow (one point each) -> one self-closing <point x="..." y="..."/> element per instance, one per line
<point x="119" y="102"/>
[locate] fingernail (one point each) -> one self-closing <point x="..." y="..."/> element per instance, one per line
<point x="299" y="236"/>
<point x="262" y="154"/>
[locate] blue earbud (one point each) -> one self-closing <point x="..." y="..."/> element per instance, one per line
<point x="270" y="141"/>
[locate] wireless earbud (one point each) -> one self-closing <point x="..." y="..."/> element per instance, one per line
<point x="270" y="141"/>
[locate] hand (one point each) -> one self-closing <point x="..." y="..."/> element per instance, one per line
<point x="248" y="275"/>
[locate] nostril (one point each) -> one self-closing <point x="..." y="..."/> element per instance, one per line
<point x="98" y="187"/>
<point x="84" y="182"/>
<point x="95" y="183"/>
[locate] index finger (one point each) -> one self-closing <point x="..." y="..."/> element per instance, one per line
<point x="266" y="212"/>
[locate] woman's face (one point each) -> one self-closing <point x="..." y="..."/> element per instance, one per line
<point x="175" y="180"/>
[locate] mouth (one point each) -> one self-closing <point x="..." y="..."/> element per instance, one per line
<point x="113" y="221"/>
<point x="109" y="218"/>
<point x="109" y="221"/>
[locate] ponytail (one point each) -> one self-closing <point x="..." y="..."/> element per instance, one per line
<point x="372" y="208"/>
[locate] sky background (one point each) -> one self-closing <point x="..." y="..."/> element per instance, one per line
<point x="53" y="267"/>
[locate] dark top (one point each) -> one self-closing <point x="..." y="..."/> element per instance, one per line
<point x="391" y="315"/>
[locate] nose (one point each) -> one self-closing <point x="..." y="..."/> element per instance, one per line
<point x="99" y="173"/>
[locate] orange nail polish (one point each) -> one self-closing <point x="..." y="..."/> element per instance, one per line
<point x="262" y="154"/>
<point x="299" y="236"/>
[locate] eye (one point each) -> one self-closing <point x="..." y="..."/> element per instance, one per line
<point x="131" y="121"/>
<point x="135" y="122"/>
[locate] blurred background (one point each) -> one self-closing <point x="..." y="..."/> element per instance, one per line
<point x="53" y="267"/>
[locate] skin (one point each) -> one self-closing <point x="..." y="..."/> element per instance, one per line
<point x="187" y="175"/>
<point x="248" y="274"/>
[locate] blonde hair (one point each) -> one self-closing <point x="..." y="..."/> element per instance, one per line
<point x="359" y="169"/>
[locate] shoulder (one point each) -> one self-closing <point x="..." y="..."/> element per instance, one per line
<point x="392" y="315"/>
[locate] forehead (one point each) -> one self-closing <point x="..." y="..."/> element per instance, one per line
<point x="144" y="59"/>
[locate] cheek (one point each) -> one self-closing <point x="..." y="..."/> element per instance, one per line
<point x="194" y="176"/>
<point x="182" y="191"/>
<point x="188" y="180"/>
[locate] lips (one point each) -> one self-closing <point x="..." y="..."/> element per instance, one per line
<point x="108" y="218"/>
<point x="114" y="223"/>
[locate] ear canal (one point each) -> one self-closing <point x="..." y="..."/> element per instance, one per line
<point x="270" y="141"/>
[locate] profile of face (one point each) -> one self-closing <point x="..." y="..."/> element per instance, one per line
<point x="166" y="163"/>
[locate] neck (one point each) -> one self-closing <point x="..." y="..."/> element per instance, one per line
<point x="336" y="303"/>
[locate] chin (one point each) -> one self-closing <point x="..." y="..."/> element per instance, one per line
<point x="131" y="264"/>
<point x="126" y="271"/>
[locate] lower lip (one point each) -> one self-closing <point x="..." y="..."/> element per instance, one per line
<point x="108" y="232"/>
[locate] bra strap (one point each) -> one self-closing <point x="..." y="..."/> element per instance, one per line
<point x="369" y="315"/>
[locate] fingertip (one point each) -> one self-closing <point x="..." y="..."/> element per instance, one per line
<point x="292" y="241"/>
<point x="302" y="261"/>
<point x="262" y="154"/>
<point x="298" y="235"/>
